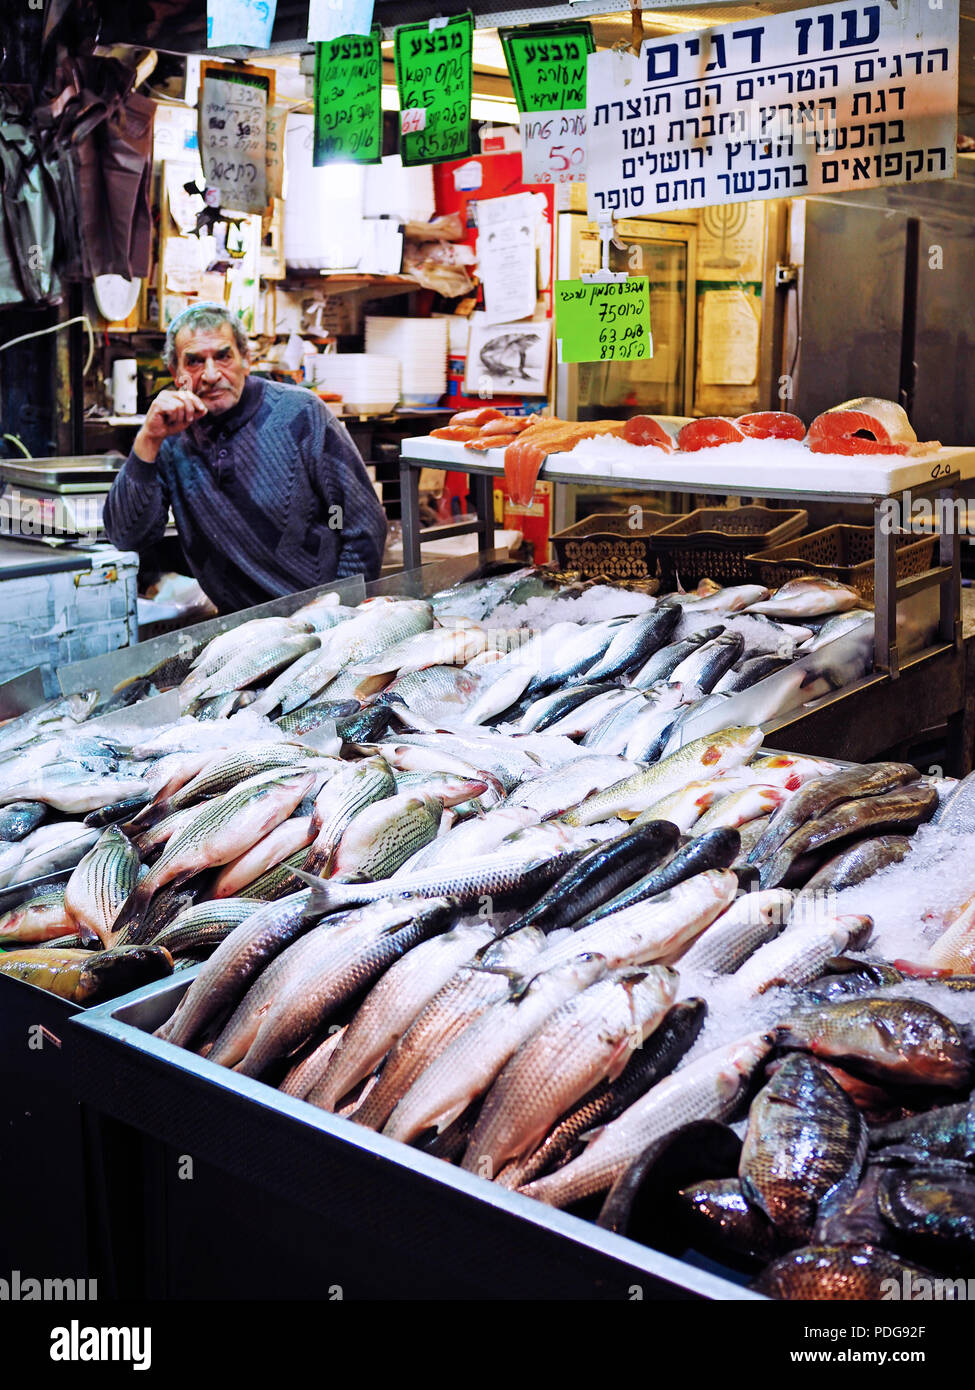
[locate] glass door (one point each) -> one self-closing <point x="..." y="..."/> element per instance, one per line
<point x="661" y="384"/>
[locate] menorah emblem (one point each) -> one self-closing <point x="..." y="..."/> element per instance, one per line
<point x="725" y="221"/>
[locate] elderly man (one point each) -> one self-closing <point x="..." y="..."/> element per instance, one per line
<point x="269" y="493"/>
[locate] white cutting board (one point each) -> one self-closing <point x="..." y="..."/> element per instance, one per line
<point x="783" y="465"/>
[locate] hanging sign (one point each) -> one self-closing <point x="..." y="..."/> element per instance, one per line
<point x="844" y="96"/>
<point x="333" y="19"/>
<point x="547" y="64"/>
<point x="233" y="110"/>
<point x="554" y="147"/>
<point x="348" y="99"/>
<point x="603" y="321"/>
<point x="240" y="23"/>
<point x="434" y="76"/>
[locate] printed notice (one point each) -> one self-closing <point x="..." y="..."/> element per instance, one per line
<point x="547" y="64"/>
<point x="553" y="147"/>
<point x="603" y="321"/>
<point x="844" y="96"/>
<point x="348" y="100"/>
<point x="434" y="75"/>
<point x="233" y="138"/>
<point x="729" y="339"/>
<point x="506" y="263"/>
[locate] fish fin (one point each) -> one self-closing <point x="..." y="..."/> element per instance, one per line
<point x="919" y="971"/>
<point x="591" y="1134"/>
<point x="621" y="1055"/>
<point x="752" y="1195"/>
<point x="516" y="978"/>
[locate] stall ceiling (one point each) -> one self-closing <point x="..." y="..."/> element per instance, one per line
<point x="177" y="28"/>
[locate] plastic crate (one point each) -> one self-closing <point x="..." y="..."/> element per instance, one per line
<point x="610" y="545"/>
<point x="715" y="542"/>
<point x="844" y="553"/>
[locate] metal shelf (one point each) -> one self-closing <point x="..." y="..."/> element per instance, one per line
<point x="888" y="591"/>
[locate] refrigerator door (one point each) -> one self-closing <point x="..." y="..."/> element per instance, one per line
<point x="852" y="305"/>
<point x="660" y="385"/>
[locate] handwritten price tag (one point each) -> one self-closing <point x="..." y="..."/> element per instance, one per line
<point x="433" y="74"/>
<point x="348" y="99"/>
<point x="413" y="120"/>
<point x="554" y="148"/>
<point x="603" y="322"/>
<point x="547" y="63"/>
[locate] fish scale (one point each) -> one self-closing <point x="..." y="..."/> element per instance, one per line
<point x="586" y="1039"/>
<point x="204" y="925"/>
<point x="712" y="754"/>
<point x="470" y="1064"/>
<point x="340" y="801"/>
<point x="392" y="1005"/>
<point x="101" y="884"/>
<point x="463" y="998"/>
<point x="354" y="955"/>
<point x="804" y="1137"/>
<point x="254" y="663"/>
<point x="225" y="827"/>
<point x="383" y="836"/>
<point x="658" y="1056"/>
<point x="708" y="1088"/>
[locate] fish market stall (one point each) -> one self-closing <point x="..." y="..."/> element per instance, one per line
<point x="399" y="862"/>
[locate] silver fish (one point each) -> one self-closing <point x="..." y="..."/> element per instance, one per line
<point x="709" y="1088"/>
<point x="466" y="1069"/>
<point x="586" y="1039"/>
<point x="392" y="1006"/>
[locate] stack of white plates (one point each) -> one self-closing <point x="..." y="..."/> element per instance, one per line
<point x="368" y="384"/>
<point x="421" y="346"/>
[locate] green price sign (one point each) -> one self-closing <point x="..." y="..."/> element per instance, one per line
<point x="603" y="321"/>
<point x="348" y="99"/>
<point x="547" y="63"/>
<point x="433" y="74"/>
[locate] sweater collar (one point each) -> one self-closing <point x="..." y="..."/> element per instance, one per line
<point x="238" y="415"/>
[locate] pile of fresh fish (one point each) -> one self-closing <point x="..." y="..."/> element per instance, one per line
<point x="491" y="891"/>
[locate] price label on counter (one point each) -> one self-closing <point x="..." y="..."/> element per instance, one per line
<point x="348" y="99"/>
<point x="433" y="74"/>
<point x="603" y="321"/>
<point x="547" y="64"/>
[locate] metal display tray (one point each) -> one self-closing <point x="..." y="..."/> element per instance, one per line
<point x="57" y="474"/>
<point x="287" y="1200"/>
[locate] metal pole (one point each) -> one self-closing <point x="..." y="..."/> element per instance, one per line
<point x="409" y="493"/>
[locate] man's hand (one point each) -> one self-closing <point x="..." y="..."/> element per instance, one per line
<point x="170" y="413"/>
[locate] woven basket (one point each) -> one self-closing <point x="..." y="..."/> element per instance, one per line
<point x="845" y="553"/>
<point x="609" y="545"/>
<point x="715" y="542"/>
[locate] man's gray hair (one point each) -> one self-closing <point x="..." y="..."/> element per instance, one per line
<point x="202" y="316"/>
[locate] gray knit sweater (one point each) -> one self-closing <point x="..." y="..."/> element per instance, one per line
<point x="269" y="498"/>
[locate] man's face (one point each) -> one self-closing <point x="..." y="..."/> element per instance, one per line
<point x="210" y="365"/>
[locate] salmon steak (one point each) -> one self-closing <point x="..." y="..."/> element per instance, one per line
<point x="771" y="424"/>
<point x="708" y="433"/>
<point x="866" y="425"/>
<point x="644" y="430"/>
